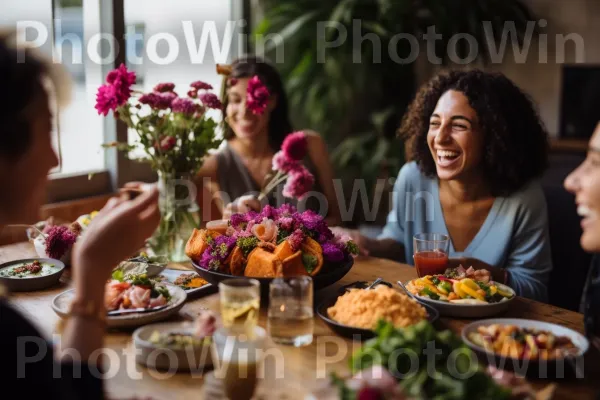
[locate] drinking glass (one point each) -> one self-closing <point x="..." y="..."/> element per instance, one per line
<point x="430" y="253"/>
<point x="290" y="315"/>
<point x="237" y="360"/>
<point x="240" y="303"/>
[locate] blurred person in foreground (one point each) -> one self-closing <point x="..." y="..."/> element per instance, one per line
<point x="29" y="364"/>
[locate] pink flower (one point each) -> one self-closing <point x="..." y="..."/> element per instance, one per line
<point x="295" y="146"/>
<point x="122" y="80"/>
<point x="192" y="94"/>
<point x="199" y="85"/>
<point x="167" y="143"/>
<point x="266" y="230"/>
<point x="106" y="99"/>
<point x="165" y="100"/>
<point x="183" y="106"/>
<point x="281" y="162"/>
<point x="298" y="183"/>
<point x="296" y="239"/>
<point x="164" y="87"/>
<point x="211" y="100"/>
<point x="286" y="223"/>
<point x="59" y="240"/>
<point x="257" y="96"/>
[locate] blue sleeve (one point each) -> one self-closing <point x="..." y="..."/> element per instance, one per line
<point x="394" y="227"/>
<point x="530" y="261"/>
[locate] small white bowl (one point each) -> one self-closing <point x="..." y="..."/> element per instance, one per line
<point x="192" y="358"/>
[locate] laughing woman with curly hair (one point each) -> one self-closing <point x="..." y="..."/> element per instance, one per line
<point x="478" y="148"/>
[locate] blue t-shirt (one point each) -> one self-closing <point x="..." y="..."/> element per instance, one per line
<point x="513" y="236"/>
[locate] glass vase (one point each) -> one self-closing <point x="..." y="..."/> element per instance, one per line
<point x="180" y="214"/>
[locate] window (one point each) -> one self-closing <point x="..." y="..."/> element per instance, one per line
<point x="70" y="24"/>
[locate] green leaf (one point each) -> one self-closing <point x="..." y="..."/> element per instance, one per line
<point x="309" y="261"/>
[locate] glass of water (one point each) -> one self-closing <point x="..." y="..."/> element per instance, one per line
<point x="291" y="311"/>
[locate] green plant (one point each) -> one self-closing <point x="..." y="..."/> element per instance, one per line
<point x="358" y="105"/>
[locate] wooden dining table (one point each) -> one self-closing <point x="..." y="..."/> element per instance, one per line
<point x="306" y="367"/>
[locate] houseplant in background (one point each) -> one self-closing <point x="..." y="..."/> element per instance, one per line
<point x="175" y="135"/>
<point x="354" y="95"/>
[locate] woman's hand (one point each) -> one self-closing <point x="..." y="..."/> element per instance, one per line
<point x="241" y="205"/>
<point x="361" y="241"/>
<point x="119" y="230"/>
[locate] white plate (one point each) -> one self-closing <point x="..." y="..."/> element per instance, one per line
<point x="577" y="338"/>
<point x="172" y="274"/>
<point x="448" y="309"/>
<point x="62" y="302"/>
<point x="152" y="356"/>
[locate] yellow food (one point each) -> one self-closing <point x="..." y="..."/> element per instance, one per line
<point x="362" y="308"/>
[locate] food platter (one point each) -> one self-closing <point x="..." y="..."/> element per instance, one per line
<point x="463" y="296"/>
<point x="174" y="358"/>
<point x="330" y="275"/>
<point x="172" y="275"/>
<point x="528" y="365"/>
<point x="50" y="271"/>
<point x="355" y="332"/>
<point x="61" y="304"/>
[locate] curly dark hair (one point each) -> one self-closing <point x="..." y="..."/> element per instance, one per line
<point x="516" y="142"/>
<point x="279" y="123"/>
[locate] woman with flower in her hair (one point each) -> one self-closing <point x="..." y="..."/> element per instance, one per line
<point x="260" y="139"/>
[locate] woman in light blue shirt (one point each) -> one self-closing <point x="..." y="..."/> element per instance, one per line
<point x="479" y="148"/>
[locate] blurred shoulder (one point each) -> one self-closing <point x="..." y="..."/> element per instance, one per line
<point x="411" y="173"/>
<point x="314" y="139"/>
<point x="530" y="196"/>
<point x="209" y="167"/>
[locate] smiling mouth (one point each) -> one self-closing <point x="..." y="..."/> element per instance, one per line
<point x="446" y="158"/>
<point x="586" y="213"/>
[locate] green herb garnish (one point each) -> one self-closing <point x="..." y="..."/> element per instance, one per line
<point x="247" y="244"/>
<point x="309" y="261"/>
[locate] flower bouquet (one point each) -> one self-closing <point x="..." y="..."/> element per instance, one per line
<point x="273" y="243"/>
<point x="175" y="135"/>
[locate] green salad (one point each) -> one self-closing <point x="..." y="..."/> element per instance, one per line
<point x="405" y="353"/>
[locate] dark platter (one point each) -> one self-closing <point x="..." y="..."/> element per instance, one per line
<point x="359" y="333"/>
<point x="330" y="274"/>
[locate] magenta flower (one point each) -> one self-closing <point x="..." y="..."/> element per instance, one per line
<point x="281" y="162"/>
<point x="192" y="94"/>
<point x="296" y="239"/>
<point x="211" y="100"/>
<point x="295" y="146"/>
<point x="183" y="106"/>
<point x="286" y="210"/>
<point x="286" y="223"/>
<point x="122" y="80"/>
<point x="164" y="87"/>
<point x="199" y="85"/>
<point x="214" y="257"/>
<point x="332" y="253"/>
<point x="165" y="100"/>
<point x="298" y="183"/>
<point x="106" y="99"/>
<point x="257" y="96"/>
<point x="59" y="240"/>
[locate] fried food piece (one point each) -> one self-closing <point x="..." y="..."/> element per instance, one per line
<point x="263" y="264"/>
<point x="197" y="242"/>
<point x="313" y="248"/>
<point x="284" y="250"/>
<point x="237" y="262"/>
<point x="293" y="265"/>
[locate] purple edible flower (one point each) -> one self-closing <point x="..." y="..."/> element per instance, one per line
<point x="332" y="253"/>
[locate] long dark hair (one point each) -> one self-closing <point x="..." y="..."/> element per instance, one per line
<point x="279" y="122"/>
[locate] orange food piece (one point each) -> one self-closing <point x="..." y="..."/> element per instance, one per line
<point x="284" y="250"/>
<point x="293" y="265"/>
<point x="197" y="243"/>
<point x="314" y="249"/>
<point x="263" y="264"/>
<point x="237" y="262"/>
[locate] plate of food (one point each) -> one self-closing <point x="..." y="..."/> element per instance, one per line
<point x="357" y="312"/>
<point x="151" y="266"/>
<point x="463" y="293"/>
<point x="131" y="301"/>
<point x="180" y="346"/>
<point x="397" y="364"/>
<point x="277" y="242"/>
<point x="189" y="281"/>
<point x="31" y="274"/>
<point x="520" y="343"/>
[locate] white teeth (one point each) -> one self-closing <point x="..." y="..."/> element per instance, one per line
<point x="583" y="211"/>
<point x="447" y="153"/>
